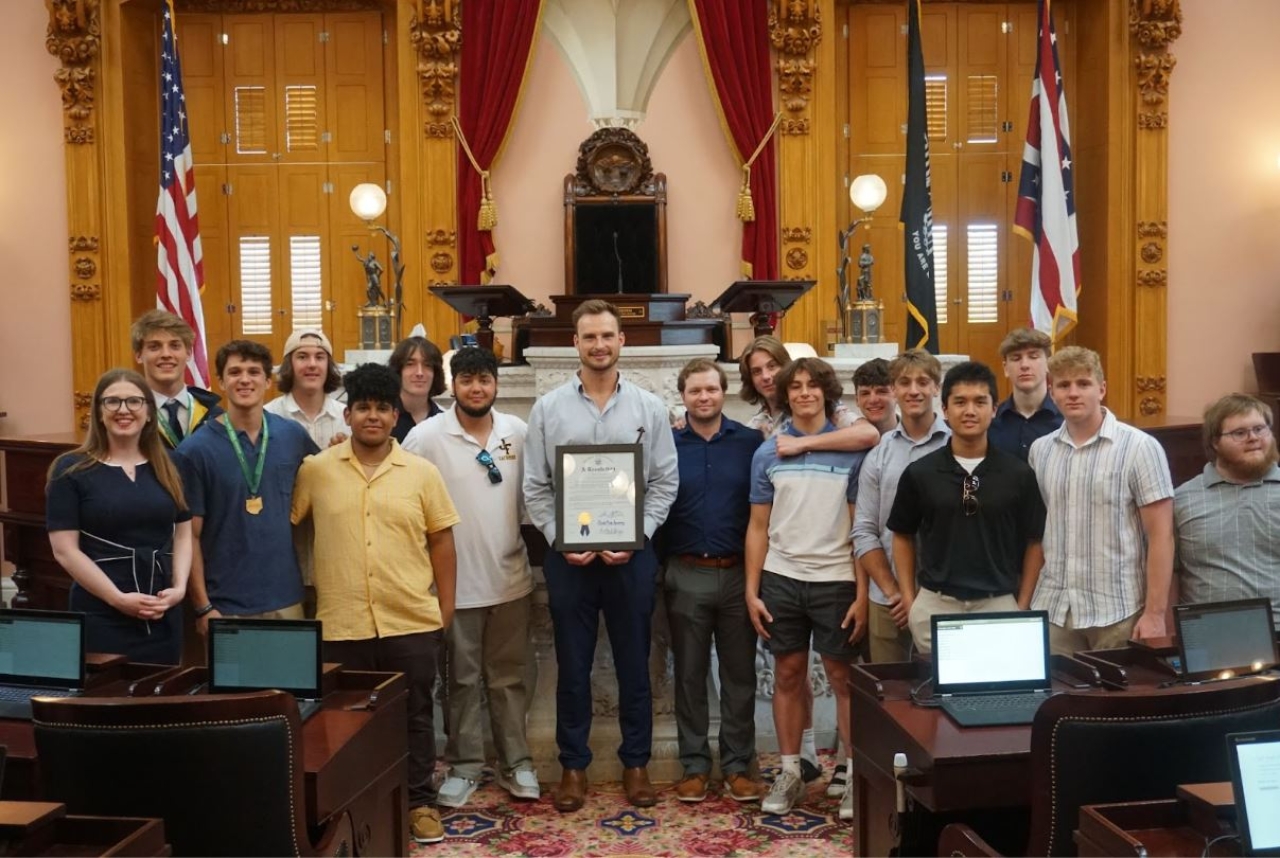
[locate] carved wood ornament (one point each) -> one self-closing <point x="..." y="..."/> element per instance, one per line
<point x="74" y="36"/>
<point x="437" y="38"/>
<point x="611" y="162"/>
<point x="795" y="29"/>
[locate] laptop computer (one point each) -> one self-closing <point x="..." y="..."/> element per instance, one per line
<point x="256" y="655"/>
<point x="1221" y="640"/>
<point x="1255" y="781"/>
<point x="41" y="655"/>
<point x="991" y="668"/>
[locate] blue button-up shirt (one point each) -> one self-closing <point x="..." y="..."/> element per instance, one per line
<point x="1013" y="433"/>
<point x="712" y="508"/>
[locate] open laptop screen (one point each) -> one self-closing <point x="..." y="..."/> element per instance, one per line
<point x="253" y="655"/>
<point x="41" y="648"/>
<point x="1225" y="638"/>
<point x="1005" y="651"/>
<point x="1255" y="775"/>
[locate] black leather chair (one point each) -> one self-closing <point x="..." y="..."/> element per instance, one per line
<point x="224" y="772"/>
<point x="1103" y="747"/>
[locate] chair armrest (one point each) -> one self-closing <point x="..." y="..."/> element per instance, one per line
<point x="338" y="839"/>
<point x="959" y="840"/>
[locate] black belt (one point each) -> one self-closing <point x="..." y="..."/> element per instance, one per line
<point x="965" y="594"/>
<point x="707" y="561"/>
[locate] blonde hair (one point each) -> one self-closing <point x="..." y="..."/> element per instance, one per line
<point x="160" y="320"/>
<point x="773" y="347"/>
<point x="1076" y="359"/>
<point x="915" y="359"/>
<point x="95" y="448"/>
<point x="1025" y="338"/>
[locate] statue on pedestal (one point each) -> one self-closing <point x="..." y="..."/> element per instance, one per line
<point x="373" y="276"/>
<point x="865" y="261"/>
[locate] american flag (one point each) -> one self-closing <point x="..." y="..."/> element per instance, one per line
<point x="1046" y="211"/>
<point x="180" y="266"/>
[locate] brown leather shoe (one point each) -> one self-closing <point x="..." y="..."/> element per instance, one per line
<point x="692" y="788"/>
<point x="740" y="787"/>
<point x="635" y="782"/>
<point x="573" y="790"/>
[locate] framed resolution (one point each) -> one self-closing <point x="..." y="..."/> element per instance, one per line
<point x="599" y="497"/>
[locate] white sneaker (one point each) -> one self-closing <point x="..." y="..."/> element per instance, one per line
<point x="839" y="780"/>
<point x="846" y="805"/>
<point x="787" y="789"/>
<point x="455" y="791"/>
<point x="521" y="783"/>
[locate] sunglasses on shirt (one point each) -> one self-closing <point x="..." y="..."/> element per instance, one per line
<point x="486" y="460"/>
<point x="969" y="497"/>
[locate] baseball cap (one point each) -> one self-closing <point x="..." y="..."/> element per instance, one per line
<point x="307" y="336"/>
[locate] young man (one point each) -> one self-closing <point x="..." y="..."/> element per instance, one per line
<point x="1108" y="541"/>
<point x="970" y="556"/>
<point x="759" y="366"/>
<point x="162" y="345"/>
<point x="800" y="579"/>
<point x="1029" y="412"/>
<point x="873" y="391"/>
<point x="598" y="406"/>
<point x="238" y="473"/>
<point x="704" y="588"/>
<point x="306" y="378"/>
<point x="914" y="376"/>
<point x="417" y="362"/>
<point x="383" y="540"/>
<point x="1227" y="517"/>
<point x="479" y="452"/>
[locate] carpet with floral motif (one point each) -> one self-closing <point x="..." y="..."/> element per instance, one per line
<point x="492" y="823"/>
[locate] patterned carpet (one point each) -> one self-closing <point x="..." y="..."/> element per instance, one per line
<point x="493" y="824"/>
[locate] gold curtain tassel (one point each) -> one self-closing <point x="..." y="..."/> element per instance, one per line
<point x="488" y="217"/>
<point x="746" y="205"/>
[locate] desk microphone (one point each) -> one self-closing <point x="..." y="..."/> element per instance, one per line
<point x="900" y="769"/>
<point x="617" y="256"/>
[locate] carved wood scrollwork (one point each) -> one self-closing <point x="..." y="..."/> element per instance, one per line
<point x="238" y="7"/>
<point x="82" y="402"/>
<point x="797" y="258"/>
<point x="1153" y="229"/>
<point x="797" y="234"/>
<point x="437" y="37"/>
<point x="74" y="36"/>
<point x="85" y="266"/>
<point x="1154" y="387"/>
<point x="795" y="29"/>
<point x="1154" y="279"/>
<point x="441" y="237"/>
<point x="1154" y="25"/>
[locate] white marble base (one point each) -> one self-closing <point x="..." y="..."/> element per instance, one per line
<point x="354" y="357"/>
<point x="866" y="351"/>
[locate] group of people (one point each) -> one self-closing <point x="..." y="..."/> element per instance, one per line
<point x="805" y="528"/>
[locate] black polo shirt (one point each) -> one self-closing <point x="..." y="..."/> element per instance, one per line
<point x="969" y="556"/>
<point x="1013" y="433"/>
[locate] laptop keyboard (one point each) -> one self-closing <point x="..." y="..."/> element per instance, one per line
<point x="995" y="702"/>
<point x="20" y="695"/>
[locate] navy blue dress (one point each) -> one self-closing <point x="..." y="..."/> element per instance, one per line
<point x="126" y="527"/>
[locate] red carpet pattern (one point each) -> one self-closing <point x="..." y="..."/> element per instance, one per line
<point x="493" y="823"/>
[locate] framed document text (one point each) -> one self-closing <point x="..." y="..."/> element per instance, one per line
<point x="599" y="497"/>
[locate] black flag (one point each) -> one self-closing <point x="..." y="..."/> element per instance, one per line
<point x="917" y="201"/>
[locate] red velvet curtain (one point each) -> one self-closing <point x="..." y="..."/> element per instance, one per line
<point x="734" y="35"/>
<point x="497" y="38"/>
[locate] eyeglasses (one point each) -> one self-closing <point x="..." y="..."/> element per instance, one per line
<point x="116" y="403"/>
<point x="486" y="460"/>
<point x="1259" y="431"/>
<point x="969" y="500"/>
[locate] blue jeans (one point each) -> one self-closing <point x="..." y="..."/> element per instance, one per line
<point x="577" y="596"/>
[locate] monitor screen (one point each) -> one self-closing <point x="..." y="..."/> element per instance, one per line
<point x="1255" y="770"/>
<point x="1226" y="638"/>
<point x="246" y="655"/>
<point x="42" y="648"/>
<point x="976" y="651"/>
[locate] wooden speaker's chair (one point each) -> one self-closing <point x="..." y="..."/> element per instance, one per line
<point x="224" y="772"/>
<point x="1104" y="747"/>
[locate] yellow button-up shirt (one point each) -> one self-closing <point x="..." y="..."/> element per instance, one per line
<point x="373" y="574"/>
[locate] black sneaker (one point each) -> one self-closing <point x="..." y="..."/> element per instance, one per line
<point x="808" y="771"/>
<point x="839" y="781"/>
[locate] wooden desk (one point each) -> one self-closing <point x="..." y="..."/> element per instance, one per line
<point x="1181" y="439"/>
<point x="1147" y="828"/>
<point x="43" y="828"/>
<point x="354" y="752"/>
<point x="41" y="582"/>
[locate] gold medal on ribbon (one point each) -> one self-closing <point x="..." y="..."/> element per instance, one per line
<point x="253" y="505"/>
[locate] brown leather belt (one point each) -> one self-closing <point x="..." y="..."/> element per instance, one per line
<point x="712" y="562"/>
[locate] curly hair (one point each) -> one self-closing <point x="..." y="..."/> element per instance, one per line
<point x="820" y="373"/>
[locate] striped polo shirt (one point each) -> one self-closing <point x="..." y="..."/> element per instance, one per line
<point x="809" y="523"/>
<point x="1095" y="550"/>
<point x="1228" y="538"/>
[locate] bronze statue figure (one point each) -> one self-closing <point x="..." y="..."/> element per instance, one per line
<point x="373" y="276"/>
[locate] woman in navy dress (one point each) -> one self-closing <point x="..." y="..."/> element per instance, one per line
<point x="119" y="525"/>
